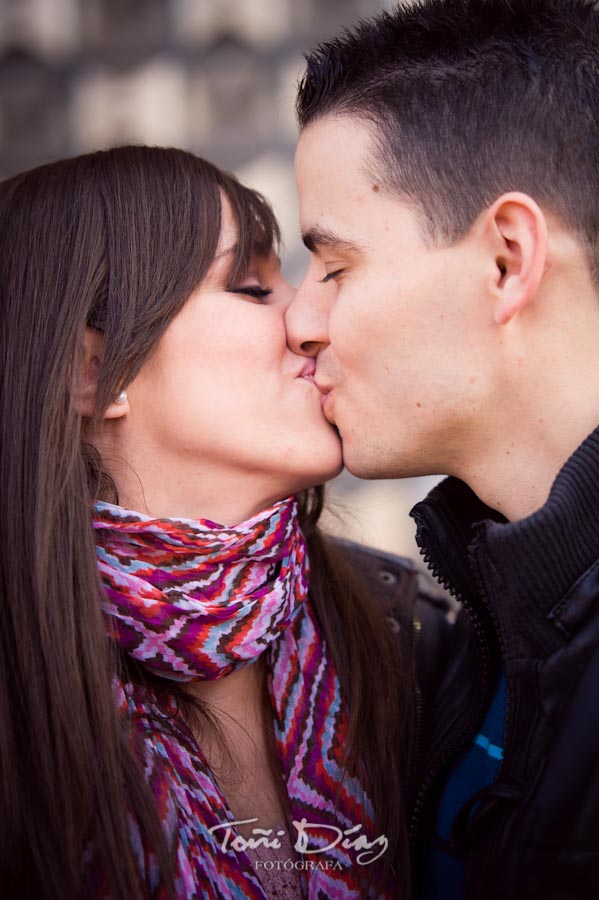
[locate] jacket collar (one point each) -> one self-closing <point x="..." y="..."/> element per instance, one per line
<point x="537" y="577"/>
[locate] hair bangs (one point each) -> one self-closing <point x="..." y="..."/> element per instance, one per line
<point x="258" y="232"/>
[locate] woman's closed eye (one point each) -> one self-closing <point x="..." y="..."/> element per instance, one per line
<point x="251" y="290"/>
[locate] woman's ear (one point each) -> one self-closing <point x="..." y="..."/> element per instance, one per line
<point x="84" y="398"/>
<point x="519" y="230"/>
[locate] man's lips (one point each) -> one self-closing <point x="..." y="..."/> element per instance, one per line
<point x="322" y="387"/>
<point x="325" y="390"/>
<point x="307" y="373"/>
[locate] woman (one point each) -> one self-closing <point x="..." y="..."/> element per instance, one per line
<point x="160" y="450"/>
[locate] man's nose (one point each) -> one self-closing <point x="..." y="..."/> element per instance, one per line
<point x="306" y="319"/>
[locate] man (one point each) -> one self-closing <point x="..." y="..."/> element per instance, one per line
<point x="448" y="174"/>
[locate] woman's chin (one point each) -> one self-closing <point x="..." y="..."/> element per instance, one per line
<point x="320" y="472"/>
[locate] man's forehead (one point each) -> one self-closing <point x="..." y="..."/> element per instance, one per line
<point x="333" y="125"/>
<point x="336" y="185"/>
<point x="336" y="145"/>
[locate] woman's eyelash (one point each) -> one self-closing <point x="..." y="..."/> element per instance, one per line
<point x="330" y="276"/>
<point x="252" y="291"/>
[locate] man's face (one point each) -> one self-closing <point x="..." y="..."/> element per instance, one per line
<point x="403" y="330"/>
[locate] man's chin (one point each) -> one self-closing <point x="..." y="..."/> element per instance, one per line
<point x="364" y="474"/>
<point x="366" y="469"/>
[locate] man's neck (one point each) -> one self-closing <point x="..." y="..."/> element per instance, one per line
<point x="525" y="453"/>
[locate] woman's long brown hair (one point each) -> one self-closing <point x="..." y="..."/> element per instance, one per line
<point x="117" y="240"/>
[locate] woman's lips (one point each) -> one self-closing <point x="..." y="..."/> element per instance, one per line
<point x="308" y="371"/>
<point x="307" y="374"/>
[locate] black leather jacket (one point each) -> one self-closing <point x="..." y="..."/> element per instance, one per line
<point x="530" y="592"/>
<point x="421" y="610"/>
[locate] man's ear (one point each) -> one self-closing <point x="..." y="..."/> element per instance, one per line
<point x="84" y="398"/>
<point x="519" y="236"/>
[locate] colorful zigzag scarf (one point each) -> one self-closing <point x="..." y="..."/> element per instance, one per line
<point x="191" y="599"/>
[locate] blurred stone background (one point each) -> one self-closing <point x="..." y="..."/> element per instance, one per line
<point x="213" y="76"/>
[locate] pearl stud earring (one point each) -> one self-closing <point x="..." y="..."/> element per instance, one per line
<point x="122" y="398"/>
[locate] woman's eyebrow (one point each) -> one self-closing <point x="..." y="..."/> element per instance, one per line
<point x="320" y="238"/>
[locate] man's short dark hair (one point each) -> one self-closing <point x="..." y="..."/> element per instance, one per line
<point x="469" y="99"/>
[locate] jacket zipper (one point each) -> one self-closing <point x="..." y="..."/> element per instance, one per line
<point x="495" y="622"/>
<point x="508" y="706"/>
<point x="418" y="712"/>
<point x="463" y="730"/>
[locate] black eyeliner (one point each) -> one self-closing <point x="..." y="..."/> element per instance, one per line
<point x="252" y="291"/>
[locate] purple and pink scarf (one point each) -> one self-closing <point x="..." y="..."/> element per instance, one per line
<point x="191" y="599"/>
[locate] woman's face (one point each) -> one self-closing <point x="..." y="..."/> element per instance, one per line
<point x="223" y="409"/>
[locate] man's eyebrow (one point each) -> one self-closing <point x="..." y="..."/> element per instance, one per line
<point x="317" y="238"/>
